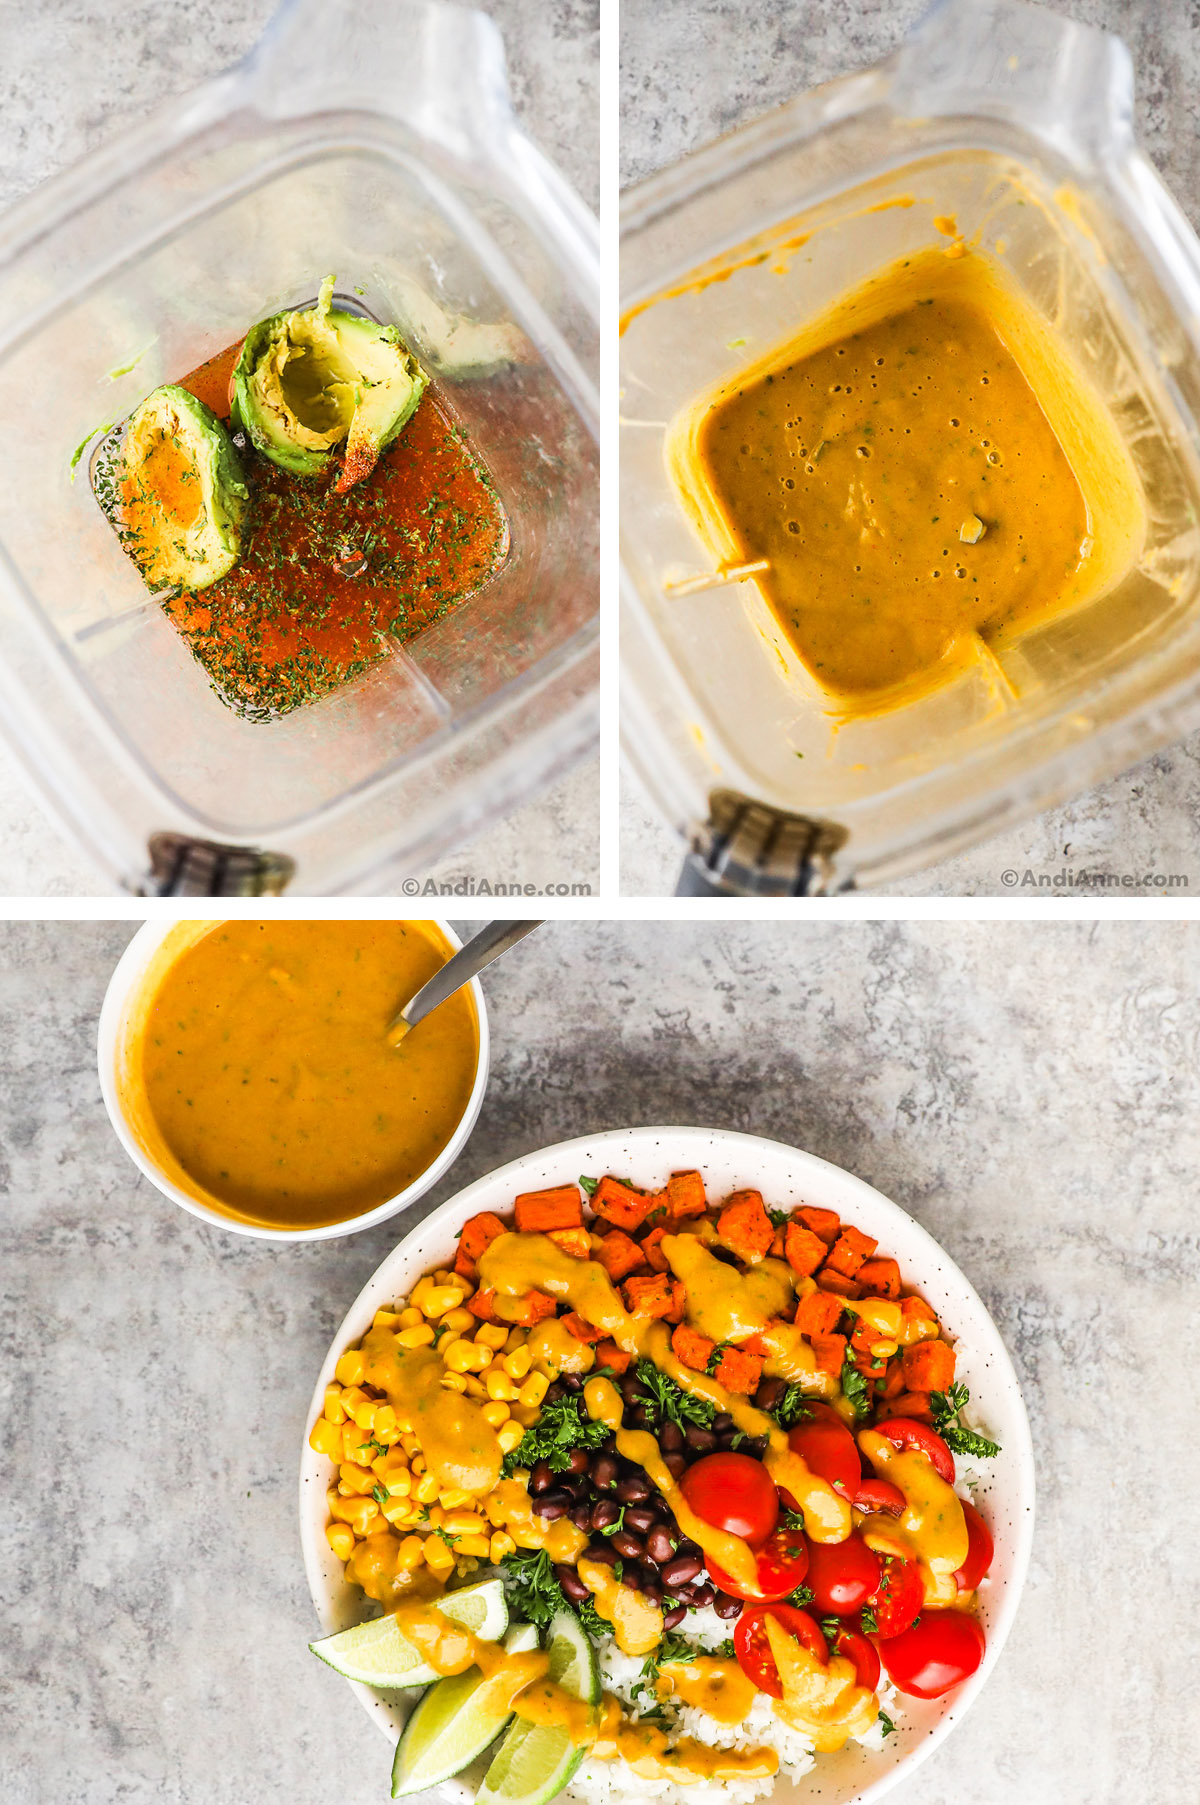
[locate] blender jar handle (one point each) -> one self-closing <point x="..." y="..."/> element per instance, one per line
<point x="1070" y="84"/>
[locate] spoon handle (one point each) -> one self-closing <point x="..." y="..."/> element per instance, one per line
<point x="488" y="944"/>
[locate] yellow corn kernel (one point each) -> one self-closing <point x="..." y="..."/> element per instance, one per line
<point x="426" y="1489"/>
<point x="508" y="1435"/>
<point x="385" y="1319"/>
<point x="495" y="1511"/>
<point x="359" y="1479"/>
<point x="498" y="1385"/>
<point x="454" y="1381"/>
<point x="453" y="1498"/>
<point x="435" y="1516"/>
<point x="356" y="1511"/>
<point x="466" y="1356"/>
<point x="517" y="1364"/>
<point x="409" y="1443"/>
<point x="437" y="1555"/>
<point x="420" y="1335"/>
<point x="883" y="1350"/>
<point x="491" y="1334"/>
<point x="534" y="1390"/>
<point x="475" y="1387"/>
<point x="385" y="1428"/>
<point x="326" y="1438"/>
<point x="411" y="1553"/>
<point x="458" y="1320"/>
<point x="376" y="1524"/>
<point x="397" y="1485"/>
<point x="340" y="1537"/>
<point x="402" y="1514"/>
<point x="525" y="1414"/>
<point x="473" y="1545"/>
<point x="445" y="1275"/>
<point x="417" y="1463"/>
<point x="462" y="1523"/>
<point x="496" y="1413"/>
<point x="352" y="1443"/>
<point x="349" y="1368"/>
<point x="410" y="1318"/>
<point x="499" y="1546"/>
<point x="352" y="1397"/>
<point x="335" y="1410"/>
<point x="514" y="1339"/>
<point x="364" y="1413"/>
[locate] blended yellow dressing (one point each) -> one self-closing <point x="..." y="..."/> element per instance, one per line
<point x="925" y="473"/>
<point x="267" y="1075"/>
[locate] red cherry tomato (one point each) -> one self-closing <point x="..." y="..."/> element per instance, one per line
<point x="856" y="1648"/>
<point x="937" y="1653"/>
<point x="907" y="1432"/>
<point x="879" y="1494"/>
<point x="782" y="1565"/>
<point x="898" y="1599"/>
<point x="980" y="1549"/>
<point x="753" y="1649"/>
<point x="843" y="1575"/>
<point x="827" y="1449"/>
<point x="734" y="1493"/>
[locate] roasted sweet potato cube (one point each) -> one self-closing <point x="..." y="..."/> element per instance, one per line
<point x="849" y="1251"/>
<point x="575" y="1241"/>
<point x="837" y="1281"/>
<point x="523" y="1312"/>
<point x="879" y="1278"/>
<point x="739" y="1371"/>
<point x="483" y="1305"/>
<point x="803" y="1250"/>
<point x="652" y="1252"/>
<point x="692" y="1348"/>
<point x="619" y="1254"/>
<point x="830" y="1351"/>
<point x="678" y="1300"/>
<point x="825" y="1223"/>
<point x="685" y="1194"/>
<point x="649" y="1296"/>
<point x="620" y="1204"/>
<point x="907" y="1403"/>
<point x="929" y="1366"/>
<point x="479" y="1231"/>
<point x="818" y="1313"/>
<point x="919" y="1321"/>
<point x="537" y="1212"/>
<point x="582" y="1330"/>
<point x="745" y="1227"/>
<point x="609" y="1354"/>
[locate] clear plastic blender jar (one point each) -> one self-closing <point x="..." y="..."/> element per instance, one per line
<point x="1018" y="123"/>
<point x="377" y="143"/>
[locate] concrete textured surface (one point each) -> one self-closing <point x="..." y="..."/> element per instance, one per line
<point x="1029" y="1091"/>
<point x="698" y="68"/>
<point x="77" y="72"/>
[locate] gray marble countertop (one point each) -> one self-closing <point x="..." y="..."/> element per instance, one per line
<point x="76" y="73"/>
<point x="692" y="71"/>
<point x="1030" y="1092"/>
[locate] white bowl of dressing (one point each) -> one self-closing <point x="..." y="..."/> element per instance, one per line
<point x="786" y="1177"/>
<point x="138" y="973"/>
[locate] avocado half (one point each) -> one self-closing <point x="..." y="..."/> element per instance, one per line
<point x="180" y="495"/>
<point x="308" y="380"/>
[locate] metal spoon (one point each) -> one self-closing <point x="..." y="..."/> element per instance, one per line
<point x="488" y="944"/>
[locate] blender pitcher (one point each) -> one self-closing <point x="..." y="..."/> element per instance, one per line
<point x="1018" y="123"/>
<point x="378" y="143"/>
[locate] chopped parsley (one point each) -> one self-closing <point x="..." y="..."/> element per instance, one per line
<point x="869" y="1621"/>
<point x="716" y="1357"/>
<point x="780" y="1217"/>
<point x="562" y="1426"/>
<point x="379" y="1495"/>
<point x="856" y="1390"/>
<point x="671" y="1648"/>
<point x="534" y="1590"/>
<point x="592" y="1621"/>
<point x="589" y="1186"/>
<point x="792" y="1408"/>
<point x="725" y="1650"/>
<point x="947" y="1407"/>
<point x="889" y="1728"/>
<point x="831" y="1629"/>
<point x="800" y="1597"/>
<point x="610" y="1529"/>
<point x="791" y="1519"/>
<point x="668" y="1402"/>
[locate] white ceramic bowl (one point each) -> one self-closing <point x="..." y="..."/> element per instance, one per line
<point x="142" y="964"/>
<point x="786" y="1177"/>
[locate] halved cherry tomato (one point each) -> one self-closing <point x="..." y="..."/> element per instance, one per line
<point x="753" y="1650"/>
<point x="938" y="1652"/>
<point x="827" y="1449"/>
<point x="879" y="1494"/>
<point x="782" y="1565"/>
<point x="843" y="1575"/>
<point x="980" y="1549"/>
<point x="734" y="1493"/>
<point x="856" y="1648"/>
<point x="898" y="1598"/>
<point x="906" y="1432"/>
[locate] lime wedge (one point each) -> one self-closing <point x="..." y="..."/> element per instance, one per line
<point x="535" y="1762"/>
<point x="378" y="1655"/>
<point x="454" y="1722"/>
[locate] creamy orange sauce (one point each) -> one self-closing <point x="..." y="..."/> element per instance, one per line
<point x="932" y="1527"/>
<point x="458" y="1442"/>
<point x="925" y="474"/>
<point x="711" y="1683"/>
<point x="268" y="1080"/>
<point x="823" y="1699"/>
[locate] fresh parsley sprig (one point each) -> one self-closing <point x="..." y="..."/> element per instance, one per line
<point x="671" y="1648"/>
<point x="800" y="1597"/>
<point x="669" y="1402"/>
<point x="534" y="1590"/>
<point x="562" y="1426"/>
<point x="889" y="1728"/>
<point x="856" y="1390"/>
<point x="947" y="1407"/>
<point x="792" y="1408"/>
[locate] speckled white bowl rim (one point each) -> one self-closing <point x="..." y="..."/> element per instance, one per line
<point x="122" y="986"/>
<point x="786" y="1177"/>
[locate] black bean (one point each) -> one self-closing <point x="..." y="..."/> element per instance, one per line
<point x="639" y="1519"/>
<point x="690" y="1548"/>
<point x="573" y="1484"/>
<point x="699" y="1440"/>
<point x="631" y="1390"/>
<point x="675" y="1464"/>
<point x="633" y="1488"/>
<point x="722" y="1423"/>
<point x="769" y="1393"/>
<point x="581" y="1515"/>
<point x="679" y="1571"/>
<point x="639" y="1417"/>
<point x="630" y="1548"/>
<point x="631" y="1576"/>
<point x="684" y="1594"/>
<point x="541" y="1478"/>
<point x="674" y="1616"/>
<point x="724" y="1254"/>
<point x="725" y="1442"/>
<point x="727" y="1606"/>
<point x="571" y="1583"/>
<point x="651" y="1589"/>
<point x="604" y="1472"/>
<point x="756" y="1446"/>
<point x="572" y="1381"/>
<point x="600" y="1551"/>
<point x="670" y="1438"/>
<point x="578" y="1460"/>
<point x="554" y="1392"/>
<point x="702" y="1595"/>
<point x="609" y="1445"/>
<point x="553" y="1504"/>
<point x="660" y="1545"/>
<point x="604" y="1513"/>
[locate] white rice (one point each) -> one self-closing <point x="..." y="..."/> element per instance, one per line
<point x="614" y="1782"/>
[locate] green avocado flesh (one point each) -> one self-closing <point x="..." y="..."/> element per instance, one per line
<point x="306" y="382"/>
<point x="176" y="492"/>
